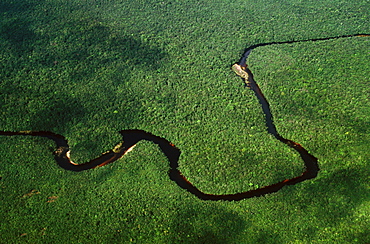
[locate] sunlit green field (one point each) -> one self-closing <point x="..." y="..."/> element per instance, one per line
<point x="89" y="69"/>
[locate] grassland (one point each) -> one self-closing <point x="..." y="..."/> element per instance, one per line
<point x="89" y="69"/>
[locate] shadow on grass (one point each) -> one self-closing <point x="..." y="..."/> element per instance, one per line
<point x="16" y="28"/>
<point x="16" y="37"/>
<point x="336" y="195"/>
<point x="89" y="40"/>
<point x="57" y="113"/>
<point x="47" y="64"/>
<point x="16" y="6"/>
<point x="78" y="40"/>
<point x="17" y="32"/>
<point x="212" y="224"/>
<point x="70" y="55"/>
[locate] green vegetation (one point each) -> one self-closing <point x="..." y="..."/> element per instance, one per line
<point x="88" y="70"/>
